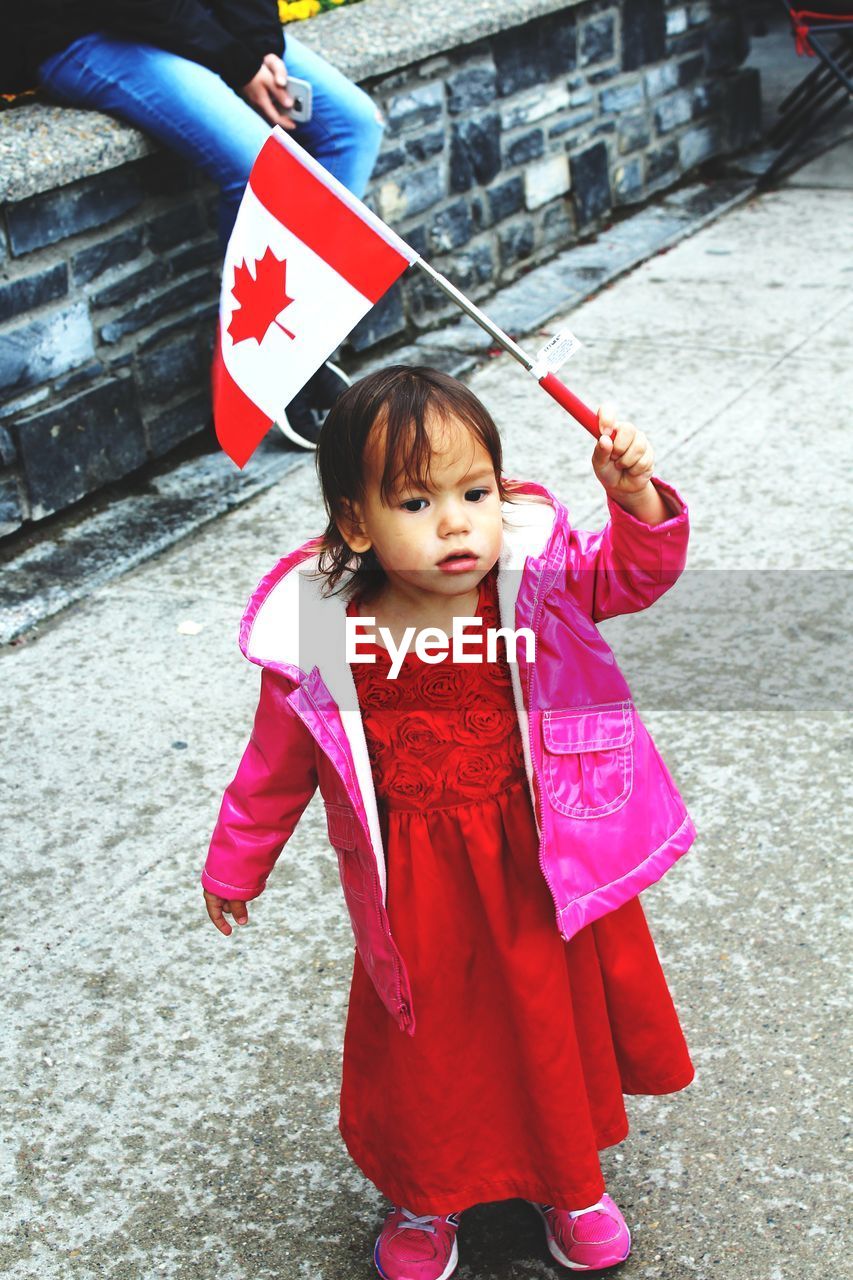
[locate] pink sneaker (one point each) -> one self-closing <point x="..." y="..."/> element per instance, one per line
<point x="586" y="1239"/>
<point x="417" y="1248"/>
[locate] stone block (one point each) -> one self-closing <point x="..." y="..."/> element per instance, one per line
<point x="413" y="110"/>
<point x="742" y="108"/>
<point x="8" y="452"/>
<point x="410" y="193"/>
<point x="516" y="242"/>
<point x="79" y="445"/>
<point x="573" y="123"/>
<point x="524" y="148"/>
<point x="662" y="162"/>
<point x="475" y="153"/>
<point x="426" y="146"/>
<point x="87" y="374"/>
<point x="546" y="180"/>
<point x="726" y="44"/>
<point x="580" y="93"/>
<point x="535" y="53"/>
<point x="416" y="237"/>
<point x="200" y="254"/>
<point x="113" y="252"/>
<point x="690" y="69"/>
<point x="450" y="228"/>
<point x="643" y="33"/>
<point x="175" y="297"/>
<point x="590" y="172"/>
<point x="176" y="366"/>
<point x="597" y="40"/>
<point x="132" y="284"/>
<point x="473" y="87"/>
<point x="661" y="79"/>
<point x="699" y="144"/>
<point x="46" y="347"/>
<point x="426" y="302"/>
<point x="674" y="110"/>
<point x="10" y="409"/>
<point x="178" y="423"/>
<point x="385" y="320"/>
<point x="473" y="268"/>
<point x="623" y="97"/>
<point x="54" y="215"/>
<point x="676" y="22"/>
<point x="11" y="507"/>
<point x="199" y="319"/>
<point x="707" y="98"/>
<point x="678" y="46"/>
<point x="389" y="158"/>
<point x="176" y="226"/>
<point x="165" y="173"/>
<point x="628" y="182"/>
<point x="506" y="199"/>
<point x="480" y="218"/>
<point x="634" y="132"/>
<point x="546" y="101"/>
<point x="558" y="228"/>
<point x="433" y="67"/>
<point x="699" y="12"/>
<point x="28" y="292"/>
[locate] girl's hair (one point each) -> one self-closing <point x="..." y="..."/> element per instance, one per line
<point x="402" y="399"/>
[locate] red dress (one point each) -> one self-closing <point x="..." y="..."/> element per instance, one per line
<point x="524" y="1044"/>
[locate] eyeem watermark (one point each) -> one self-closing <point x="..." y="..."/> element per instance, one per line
<point x="433" y="645"/>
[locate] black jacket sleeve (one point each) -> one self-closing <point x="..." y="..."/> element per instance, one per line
<point x="192" y="30"/>
<point x="231" y="37"/>
<point x="254" y="22"/>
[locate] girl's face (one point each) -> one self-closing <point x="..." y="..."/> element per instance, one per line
<point x="441" y="539"/>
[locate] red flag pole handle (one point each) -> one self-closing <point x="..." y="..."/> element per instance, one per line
<point x="550" y="382"/>
<point x="580" y="412"/>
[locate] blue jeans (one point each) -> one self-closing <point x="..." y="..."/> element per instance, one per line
<point x="191" y="110"/>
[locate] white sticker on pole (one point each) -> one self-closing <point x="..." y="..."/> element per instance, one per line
<point x="555" y="353"/>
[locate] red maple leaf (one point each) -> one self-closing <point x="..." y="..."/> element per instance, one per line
<point x="261" y="298"/>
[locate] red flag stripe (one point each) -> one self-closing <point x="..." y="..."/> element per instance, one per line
<point x="240" y="424"/>
<point x="323" y="222"/>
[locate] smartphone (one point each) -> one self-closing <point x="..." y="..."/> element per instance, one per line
<point x="300" y="92"/>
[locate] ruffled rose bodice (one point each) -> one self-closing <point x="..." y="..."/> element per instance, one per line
<point x="443" y="734"/>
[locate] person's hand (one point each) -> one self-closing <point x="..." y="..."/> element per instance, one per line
<point x="219" y="908"/>
<point x="623" y="460"/>
<point x="267" y="92"/>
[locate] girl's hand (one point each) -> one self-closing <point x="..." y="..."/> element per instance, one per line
<point x="623" y="460"/>
<point x="267" y="92"/>
<point x="219" y="908"/>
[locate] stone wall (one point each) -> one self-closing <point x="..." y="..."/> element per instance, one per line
<point x="522" y="135"/>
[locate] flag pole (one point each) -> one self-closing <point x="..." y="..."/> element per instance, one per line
<point x="548" y="381"/>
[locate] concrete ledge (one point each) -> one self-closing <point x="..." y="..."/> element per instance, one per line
<point x="44" y="146"/>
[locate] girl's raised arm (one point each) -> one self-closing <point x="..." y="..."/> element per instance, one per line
<point x="627" y="565"/>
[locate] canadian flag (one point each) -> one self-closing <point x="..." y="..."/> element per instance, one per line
<point x="306" y="260"/>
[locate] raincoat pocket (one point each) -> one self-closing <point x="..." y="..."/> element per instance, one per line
<point x="340" y="822"/>
<point x="589" y="758"/>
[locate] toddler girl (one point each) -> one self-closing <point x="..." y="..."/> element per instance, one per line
<point x="495" y="806"/>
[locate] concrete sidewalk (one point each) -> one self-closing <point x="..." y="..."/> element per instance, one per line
<point x="171" y="1095"/>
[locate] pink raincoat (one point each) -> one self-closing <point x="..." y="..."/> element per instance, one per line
<point x="610" y="819"/>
